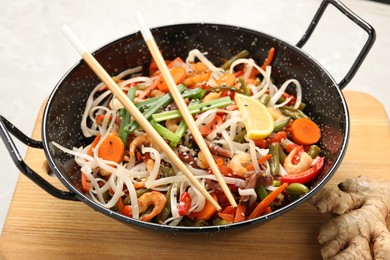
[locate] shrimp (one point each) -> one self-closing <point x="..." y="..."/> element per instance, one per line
<point x="172" y="124"/>
<point x="148" y="199"/>
<point x="139" y="140"/>
<point x="303" y="164"/>
<point x="236" y="164"/>
<point x="149" y="168"/>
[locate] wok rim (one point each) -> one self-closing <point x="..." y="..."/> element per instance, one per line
<point x="206" y="229"/>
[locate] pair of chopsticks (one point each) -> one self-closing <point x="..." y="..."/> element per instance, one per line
<point x="144" y="123"/>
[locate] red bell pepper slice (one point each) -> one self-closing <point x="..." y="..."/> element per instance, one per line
<point x="305" y="176"/>
<point x="184" y="204"/>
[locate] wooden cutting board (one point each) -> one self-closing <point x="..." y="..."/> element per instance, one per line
<point x="38" y="226"/>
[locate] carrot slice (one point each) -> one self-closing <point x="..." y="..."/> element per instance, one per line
<point x="261" y="207"/>
<point x="227" y="217"/>
<point x="206" y="213"/>
<point x="85" y="183"/>
<point x="240" y="213"/>
<point x="93" y="145"/>
<point x="227" y="79"/>
<point x="305" y="132"/>
<point x="112" y="149"/>
<point x="178" y="74"/>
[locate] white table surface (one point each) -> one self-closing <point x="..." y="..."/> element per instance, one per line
<point x="34" y="54"/>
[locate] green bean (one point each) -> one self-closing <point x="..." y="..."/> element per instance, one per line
<point x="240" y="137"/>
<point x="274" y="160"/>
<point x="141" y="191"/>
<point x="185" y="221"/>
<point x="297" y="189"/>
<point x="240" y="55"/>
<point x="282" y="155"/>
<point x="261" y="192"/>
<point x="166" y="212"/>
<point x="314" y="151"/>
<point x="280" y="125"/>
<point x="167" y="171"/>
<point x="265" y="99"/>
<point x="244" y="89"/>
<point x="294" y="113"/>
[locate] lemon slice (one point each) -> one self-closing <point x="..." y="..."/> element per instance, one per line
<point x="258" y="122"/>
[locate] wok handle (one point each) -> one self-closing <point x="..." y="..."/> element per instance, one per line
<point x="358" y="21"/>
<point x="6" y="129"/>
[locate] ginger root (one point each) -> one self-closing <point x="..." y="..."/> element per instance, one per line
<point x="358" y="231"/>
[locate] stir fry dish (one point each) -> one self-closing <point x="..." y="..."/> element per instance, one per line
<point x="264" y="144"/>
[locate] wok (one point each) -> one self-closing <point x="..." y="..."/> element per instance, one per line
<point x="64" y="107"/>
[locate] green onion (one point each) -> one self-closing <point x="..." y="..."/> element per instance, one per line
<point x="216" y="103"/>
<point x="244" y="89"/>
<point x="125" y="116"/>
<point x="165" y="132"/>
<point x="161" y="102"/>
<point x="181" y="130"/>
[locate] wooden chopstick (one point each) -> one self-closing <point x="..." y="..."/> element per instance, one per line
<point x="182" y="106"/>
<point x="131" y="108"/>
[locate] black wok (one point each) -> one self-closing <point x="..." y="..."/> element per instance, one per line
<point x="62" y="114"/>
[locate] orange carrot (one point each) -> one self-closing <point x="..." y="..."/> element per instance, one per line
<point x="178" y="74"/>
<point x="227" y="217"/>
<point x="120" y="206"/>
<point x="210" y="127"/>
<point x="127" y="211"/>
<point x="231" y="107"/>
<point x="260" y="208"/>
<point x="269" y="59"/>
<point x="93" y="145"/>
<point x="229" y="210"/>
<point x="85" y="183"/>
<point x="240" y="213"/>
<point x="112" y="149"/>
<point x="207" y="212"/>
<point x="192" y="82"/>
<point x="267" y="210"/>
<point x="227" y="79"/>
<point x="305" y="132"/>
<point x="259" y="161"/>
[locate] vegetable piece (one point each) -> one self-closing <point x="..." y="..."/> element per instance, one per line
<point x="274" y="160"/>
<point x="85" y="183"/>
<point x="244" y="89"/>
<point x="210" y="127"/>
<point x="257" y="120"/>
<point x="125" y="120"/>
<point x="357" y="229"/>
<point x="165" y="132"/>
<point x="240" y="213"/>
<point x="297" y="189"/>
<point x="260" y="208"/>
<point x="314" y="151"/>
<point x="307" y="175"/>
<point x="178" y="75"/>
<point x="227" y="79"/>
<point x="240" y="55"/>
<point x="207" y="211"/>
<point x="197" y="108"/>
<point x="112" y="149"/>
<point x="160" y="102"/>
<point x="259" y="161"/>
<point x="184" y="204"/>
<point x="280" y="125"/>
<point x="292" y="112"/>
<point x="305" y="131"/>
<point x="93" y="145"/>
<point x="227" y="217"/>
<point x="269" y="59"/>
